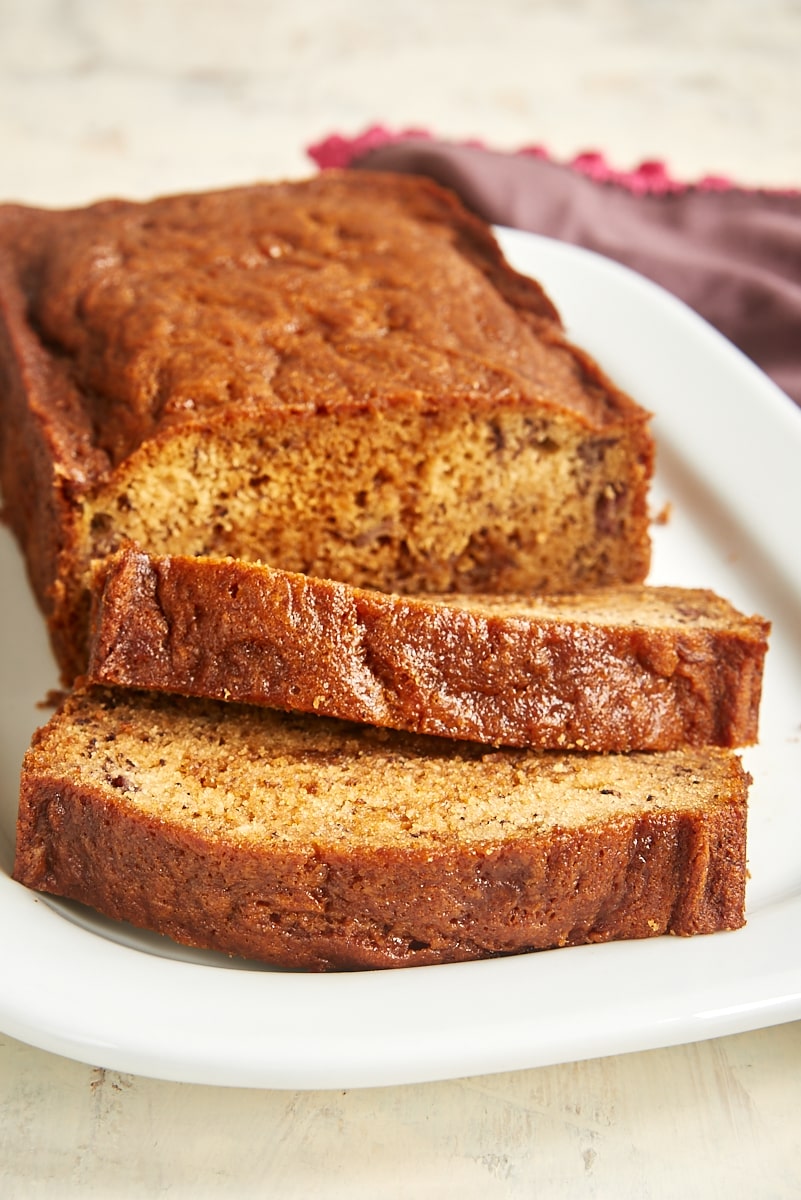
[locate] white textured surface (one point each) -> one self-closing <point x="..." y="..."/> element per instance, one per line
<point x="141" y="97"/>
<point x="136" y="95"/>
<point x="715" y="1121"/>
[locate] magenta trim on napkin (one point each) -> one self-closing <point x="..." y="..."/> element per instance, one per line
<point x="651" y="176"/>
<point x="732" y="253"/>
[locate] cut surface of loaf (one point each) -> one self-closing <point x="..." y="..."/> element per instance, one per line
<point x="630" y="667"/>
<point x="310" y="843"/>
<point x="340" y="376"/>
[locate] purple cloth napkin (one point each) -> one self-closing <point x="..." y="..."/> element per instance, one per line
<point x="732" y="254"/>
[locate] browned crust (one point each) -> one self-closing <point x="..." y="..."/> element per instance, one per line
<point x="238" y="631"/>
<point x="59" y="445"/>
<point x="82" y="446"/>
<point x="327" y="908"/>
<point x="37" y="487"/>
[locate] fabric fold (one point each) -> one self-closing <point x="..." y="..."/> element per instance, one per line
<point x="732" y="254"/>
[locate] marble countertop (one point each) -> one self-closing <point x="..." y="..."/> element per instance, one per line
<point x="135" y="97"/>
<point x="139" y="97"/>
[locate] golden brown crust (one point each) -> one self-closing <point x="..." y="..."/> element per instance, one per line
<point x="340" y="375"/>
<point x="303" y="296"/>
<point x="616" y="669"/>
<point x="348" y="848"/>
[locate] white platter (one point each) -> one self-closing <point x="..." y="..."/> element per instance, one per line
<point x="729" y="447"/>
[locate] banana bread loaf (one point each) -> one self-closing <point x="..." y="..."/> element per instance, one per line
<point x="631" y="667"/>
<point x="310" y="843"/>
<point x="341" y="376"/>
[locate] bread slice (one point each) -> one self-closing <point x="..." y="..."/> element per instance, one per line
<point x="340" y="376"/>
<point x="309" y="843"/>
<point x="623" y="668"/>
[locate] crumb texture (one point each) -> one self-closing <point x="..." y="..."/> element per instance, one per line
<point x="311" y="843"/>
<point x="340" y="376"/>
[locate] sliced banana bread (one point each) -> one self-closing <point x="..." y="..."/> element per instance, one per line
<point x="623" y="668"/>
<point x="312" y="843"/>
